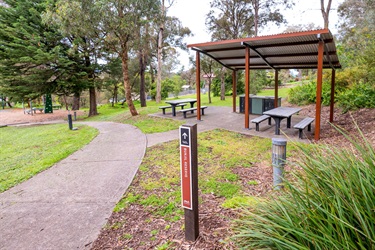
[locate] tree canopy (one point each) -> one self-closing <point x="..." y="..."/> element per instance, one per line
<point x="33" y="56"/>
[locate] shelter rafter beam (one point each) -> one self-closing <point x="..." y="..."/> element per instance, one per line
<point x="205" y="53"/>
<point x="259" y="54"/>
<point x="326" y="52"/>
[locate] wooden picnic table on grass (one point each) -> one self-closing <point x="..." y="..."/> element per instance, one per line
<point x="174" y="103"/>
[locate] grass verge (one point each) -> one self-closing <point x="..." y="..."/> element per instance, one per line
<point x="147" y="124"/>
<point x="151" y="207"/>
<point x="26" y="151"/>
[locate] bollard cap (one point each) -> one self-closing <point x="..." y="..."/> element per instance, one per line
<point x="279" y="141"/>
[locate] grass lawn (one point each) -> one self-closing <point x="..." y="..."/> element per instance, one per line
<point x="147" y="124"/>
<point x="26" y="151"/>
<point x="283" y="92"/>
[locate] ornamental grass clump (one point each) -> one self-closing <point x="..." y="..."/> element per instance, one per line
<point x="329" y="203"/>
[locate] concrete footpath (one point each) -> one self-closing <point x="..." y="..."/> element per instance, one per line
<point x="65" y="206"/>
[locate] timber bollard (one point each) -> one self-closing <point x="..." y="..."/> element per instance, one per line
<point x="189" y="180"/>
<point x="278" y="161"/>
<point x="75" y="115"/>
<point x="70" y="122"/>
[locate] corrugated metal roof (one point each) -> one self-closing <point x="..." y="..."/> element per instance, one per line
<point x="298" y="50"/>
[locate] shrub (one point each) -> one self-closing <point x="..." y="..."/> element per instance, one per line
<point x="358" y="96"/>
<point x="328" y="205"/>
<point x="306" y="94"/>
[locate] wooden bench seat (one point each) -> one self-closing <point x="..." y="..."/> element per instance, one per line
<point x="182" y="105"/>
<point x="261" y="119"/>
<point x="306" y="122"/>
<point x="184" y="111"/>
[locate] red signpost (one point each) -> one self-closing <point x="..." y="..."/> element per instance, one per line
<point x="189" y="179"/>
<point x="186" y="178"/>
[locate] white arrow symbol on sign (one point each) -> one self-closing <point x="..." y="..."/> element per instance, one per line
<point x="184" y="135"/>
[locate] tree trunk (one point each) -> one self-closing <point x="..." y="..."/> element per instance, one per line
<point x="209" y="89"/>
<point x="125" y="72"/>
<point x="8" y="102"/>
<point x="76" y="98"/>
<point x="325" y="12"/>
<point x="160" y="64"/>
<point x="152" y="74"/>
<point x="142" y="69"/>
<point x="65" y="102"/>
<point x="160" y="51"/>
<point x="114" y="97"/>
<point x="93" y="110"/>
<point x="222" y="86"/>
<point x="256" y="16"/>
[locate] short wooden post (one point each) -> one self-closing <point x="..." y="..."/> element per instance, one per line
<point x="189" y="180"/>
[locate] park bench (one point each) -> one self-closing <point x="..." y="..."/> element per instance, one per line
<point x="184" y="111"/>
<point x="182" y="105"/>
<point x="56" y="106"/>
<point x="261" y="119"/>
<point x="306" y="122"/>
<point x="39" y="109"/>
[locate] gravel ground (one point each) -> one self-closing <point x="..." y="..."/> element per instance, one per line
<point x="17" y="116"/>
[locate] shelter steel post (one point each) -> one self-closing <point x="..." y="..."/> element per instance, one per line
<point x="332" y="104"/>
<point x="319" y="90"/>
<point x="198" y="85"/>
<point x="234" y="89"/>
<point x="247" y="86"/>
<point x="276" y="102"/>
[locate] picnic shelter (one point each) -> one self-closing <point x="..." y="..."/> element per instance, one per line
<point x="313" y="49"/>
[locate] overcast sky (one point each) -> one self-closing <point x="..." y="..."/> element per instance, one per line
<point x="192" y="14"/>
